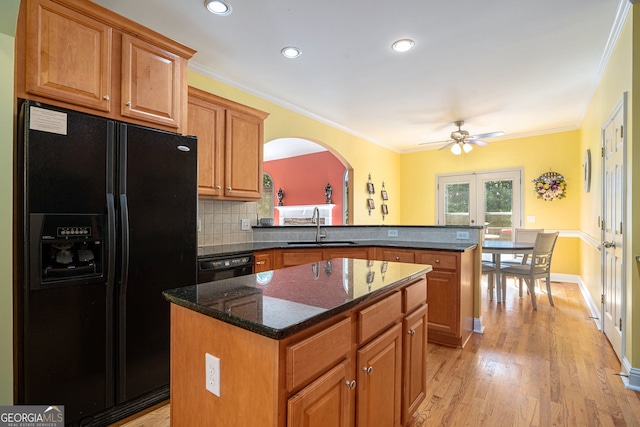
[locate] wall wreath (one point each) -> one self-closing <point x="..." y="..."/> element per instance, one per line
<point x="550" y="186"/>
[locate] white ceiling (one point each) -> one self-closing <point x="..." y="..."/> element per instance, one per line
<point x="522" y="67"/>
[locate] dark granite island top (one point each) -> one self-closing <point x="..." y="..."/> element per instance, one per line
<point x="286" y="301"/>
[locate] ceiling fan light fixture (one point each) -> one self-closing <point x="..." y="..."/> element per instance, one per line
<point x="218" y="7"/>
<point x="291" y="52"/>
<point x="455" y="149"/>
<point x="467" y="147"/>
<point x="402" y="45"/>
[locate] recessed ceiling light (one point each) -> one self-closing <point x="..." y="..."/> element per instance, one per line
<point x="217" y="7"/>
<point x="291" y="52"/>
<point x="402" y="45"/>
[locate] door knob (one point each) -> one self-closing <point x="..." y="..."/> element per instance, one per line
<point x="608" y="245"/>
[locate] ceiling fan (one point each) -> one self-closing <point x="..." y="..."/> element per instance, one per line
<point x="461" y="140"/>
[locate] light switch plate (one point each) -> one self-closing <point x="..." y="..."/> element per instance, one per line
<point x="244" y="224"/>
<point x="392" y="233"/>
<point x="212" y="374"/>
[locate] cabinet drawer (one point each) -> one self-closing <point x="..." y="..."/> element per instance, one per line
<point x="314" y="355"/>
<point x="439" y="261"/>
<point x="414" y="295"/>
<point x="398" y="256"/>
<point x="379" y="316"/>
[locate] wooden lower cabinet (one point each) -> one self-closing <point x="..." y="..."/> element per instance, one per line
<point x="450" y="296"/>
<point x="328" y="401"/>
<point x="262" y="261"/>
<point x="379" y="383"/>
<point x="291" y="257"/>
<point x="365" y="367"/>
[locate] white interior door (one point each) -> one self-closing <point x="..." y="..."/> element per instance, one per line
<point x="491" y="199"/>
<point x="613" y="207"/>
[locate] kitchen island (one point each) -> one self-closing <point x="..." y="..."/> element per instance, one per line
<point x="326" y="343"/>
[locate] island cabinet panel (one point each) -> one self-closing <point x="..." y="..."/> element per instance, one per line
<point x="291" y="257"/>
<point x="325" y="402"/>
<point x="379" y="373"/>
<point x="362" y="367"/>
<point x="76" y="54"/>
<point x="308" y="358"/>
<point x="356" y="253"/>
<point x="397" y="255"/>
<point x="414" y="329"/>
<point x="374" y="319"/>
<point x="248" y="373"/>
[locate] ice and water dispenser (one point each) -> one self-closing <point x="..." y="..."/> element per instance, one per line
<point x="71" y="249"/>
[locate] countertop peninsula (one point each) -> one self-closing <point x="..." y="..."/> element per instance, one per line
<point x="289" y="300"/>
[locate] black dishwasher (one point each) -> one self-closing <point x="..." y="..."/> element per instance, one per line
<point x="211" y="268"/>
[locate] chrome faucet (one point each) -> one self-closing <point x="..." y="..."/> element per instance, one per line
<point x="315" y="219"/>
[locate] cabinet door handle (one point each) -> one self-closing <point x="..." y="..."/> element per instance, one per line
<point x="367" y="369"/>
<point x="437" y="261"/>
<point x="397" y="258"/>
<point x="106" y="97"/>
<point x="260" y="262"/>
<point x="229" y="188"/>
<point x="351" y="384"/>
<point x="218" y="187"/>
<point x="411" y="332"/>
<point x="128" y="104"/>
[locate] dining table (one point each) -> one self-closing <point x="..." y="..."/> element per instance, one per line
<point x="499" y="247"/>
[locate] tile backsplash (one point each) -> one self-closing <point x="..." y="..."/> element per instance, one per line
<point x="219" y="222"/>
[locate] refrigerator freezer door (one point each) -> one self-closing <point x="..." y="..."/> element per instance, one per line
<point x="66" y="328"/>
<point x="158" y="189"/>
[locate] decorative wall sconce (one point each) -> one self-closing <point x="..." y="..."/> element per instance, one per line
<point x="280" y="196"/>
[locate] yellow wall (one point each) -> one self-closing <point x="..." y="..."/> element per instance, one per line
<point x="617" y="79"/>
<point x="364" y="157"/>
<point x="9" y="13"/>
<point x="559" y="152"/>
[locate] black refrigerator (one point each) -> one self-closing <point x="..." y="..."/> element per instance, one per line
<point x="105" y="220"/>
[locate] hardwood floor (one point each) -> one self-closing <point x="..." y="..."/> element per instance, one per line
<point x="549" y="367"/>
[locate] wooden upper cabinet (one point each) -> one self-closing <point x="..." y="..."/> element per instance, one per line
<point x="151" y="82"/>
<point x="76" y="54"/>
<point x="68" y="56"/>
<point x="230" y="146"/>
<point x="243" y="155"/>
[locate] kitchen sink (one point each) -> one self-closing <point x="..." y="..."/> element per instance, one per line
<point x="322" y="243"/>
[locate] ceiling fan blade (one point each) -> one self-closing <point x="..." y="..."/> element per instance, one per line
<point x="487" y="135"/>
<point x="448" y="145"/>
<point x="476" y="142"/>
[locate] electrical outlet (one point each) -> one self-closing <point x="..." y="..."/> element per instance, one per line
<point x="244" y="224"/>
<point x="393" y="233"/>
<point x="212" y="365"/>
<point x="462" y="235"/>
<point x="199" y="225"/>
<point x="531" y="218"/>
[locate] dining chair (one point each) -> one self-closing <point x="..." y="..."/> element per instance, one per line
<point x="489" y="269"/>
<point x="538" y="268"/>
<point x="522" y="235"/>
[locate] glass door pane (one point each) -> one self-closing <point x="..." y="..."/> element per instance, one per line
<point x="456" y="201"/>
<point x="490" y="199"/>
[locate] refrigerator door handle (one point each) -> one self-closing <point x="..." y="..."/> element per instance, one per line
<point x="124" y="224"/>
<point x="111" y="272"/>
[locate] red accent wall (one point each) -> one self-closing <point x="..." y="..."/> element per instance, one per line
<point x="303" y="179"/>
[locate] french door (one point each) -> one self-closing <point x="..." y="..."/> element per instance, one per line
<point x="613" y="208"/>
<point x="491" y="199"/>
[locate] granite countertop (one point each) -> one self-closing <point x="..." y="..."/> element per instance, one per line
<point x="289" y="300"/>
<point x="231" y="249"/>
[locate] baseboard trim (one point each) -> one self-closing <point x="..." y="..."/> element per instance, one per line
<point x="630" y="376"/>
<point x="478" y="327"/>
